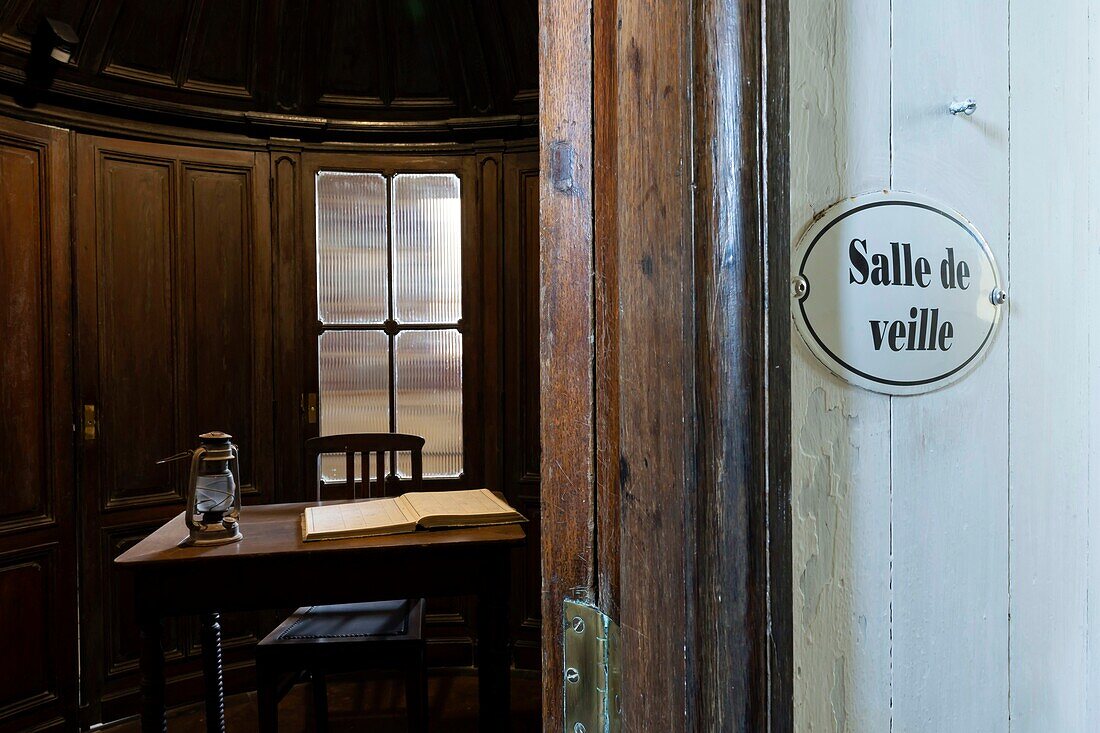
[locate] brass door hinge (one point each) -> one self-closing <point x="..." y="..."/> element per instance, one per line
<point x="593" y="676"/>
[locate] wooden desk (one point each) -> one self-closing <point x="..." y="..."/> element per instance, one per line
<point x="272" y="568"/>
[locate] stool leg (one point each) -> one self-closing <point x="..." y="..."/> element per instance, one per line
<point x="320" y="701"/>
<point x="267" y="697"/>
<point x="416" y="693"/>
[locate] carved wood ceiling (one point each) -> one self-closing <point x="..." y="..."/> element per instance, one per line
<point x="290" y="63"/>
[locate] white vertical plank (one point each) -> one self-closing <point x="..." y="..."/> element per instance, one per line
<point x="1048" y="372"/>
<point x="1092" y="712"/>
<point x="840" y="126"/>
<point x="950" y="463"/>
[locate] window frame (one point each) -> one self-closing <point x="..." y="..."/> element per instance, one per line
<point x="469" y="325"/>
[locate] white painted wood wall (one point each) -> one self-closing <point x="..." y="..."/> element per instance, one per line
<point x="942" y="543"/>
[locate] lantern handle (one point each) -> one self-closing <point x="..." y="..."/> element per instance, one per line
<point x="178" y="457"/>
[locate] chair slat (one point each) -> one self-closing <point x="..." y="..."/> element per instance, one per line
<point x="366" y="444"/>
<point x="350" y="472"/>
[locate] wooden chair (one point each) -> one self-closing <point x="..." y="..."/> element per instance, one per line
<point x="321" y="640"/>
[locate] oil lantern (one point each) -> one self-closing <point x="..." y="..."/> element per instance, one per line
<point x="213" y="492"/>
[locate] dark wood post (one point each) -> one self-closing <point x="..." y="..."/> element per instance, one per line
<point x="665" y="363"/>
<point x="742" y="373"/>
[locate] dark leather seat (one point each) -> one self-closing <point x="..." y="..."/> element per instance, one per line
<point x="364" y="621"/>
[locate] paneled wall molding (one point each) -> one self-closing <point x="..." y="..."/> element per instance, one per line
<point x="38" y="531"/>
<point x="352" y="137"/>
<point x="441" y="68"/>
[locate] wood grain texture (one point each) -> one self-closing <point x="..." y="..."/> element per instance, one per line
<point x="948" y="475"/>
<point x="774" y="165"/>
<point x="742" y="418"/>
<point x="605" y="81"/>
<point x="38" y="534"/>
<point x="653" y="168"/>
<point x="566" y="371"/>
<point x="840" y="145"/>
<point x="1051" y="379"/>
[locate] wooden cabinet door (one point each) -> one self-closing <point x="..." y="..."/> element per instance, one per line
<point x="521" y="448"/>
<point x="174" y="339"/>
<point x="38" y="613"/>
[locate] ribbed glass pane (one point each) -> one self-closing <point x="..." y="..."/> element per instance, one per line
<point x="353" y="373"/>
<point x="429" y="397"/>
<point x="427" y="248"/>
<point x="352" y="273"/>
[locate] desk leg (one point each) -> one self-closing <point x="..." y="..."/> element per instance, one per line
<point x="212" y="672"/>
<point x="493" y="663"/>
<point x="151" y="661"/>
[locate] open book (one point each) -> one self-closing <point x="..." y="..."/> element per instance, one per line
<point x="427" y="509"/>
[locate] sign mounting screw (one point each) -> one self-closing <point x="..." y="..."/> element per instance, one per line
<point x="998" y="297"/>
<point x="579" y="728"/>
<point x="572" y="676"/>
<point x="800" y="286"/>
<point x="578" y="624"/>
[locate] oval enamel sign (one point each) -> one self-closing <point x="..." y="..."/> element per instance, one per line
<point x="896" y="293"/>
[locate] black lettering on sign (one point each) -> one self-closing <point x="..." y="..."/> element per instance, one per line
<point x="923" y="332"/>
<point x="897" y="268"/>
<point x="858" y="260"/>
<point x="954" y="275"/>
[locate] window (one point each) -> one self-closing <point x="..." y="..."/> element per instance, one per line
<point x="389" y="302"/>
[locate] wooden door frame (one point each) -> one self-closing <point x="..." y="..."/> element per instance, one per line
<point x="665" y="364"/>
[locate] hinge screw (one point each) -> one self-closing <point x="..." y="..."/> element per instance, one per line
<point x="579" y="728"/>
<point x="578" y="624"/>
<point x="572" y="676"/>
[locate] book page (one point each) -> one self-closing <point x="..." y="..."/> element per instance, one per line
<point x="474" y="505"/>
<point x="357" y="518"/>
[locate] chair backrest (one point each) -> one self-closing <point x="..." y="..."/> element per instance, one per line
<point x="366" y="444"/>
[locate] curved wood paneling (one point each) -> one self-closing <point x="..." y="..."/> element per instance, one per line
<point x="289" y="63"/>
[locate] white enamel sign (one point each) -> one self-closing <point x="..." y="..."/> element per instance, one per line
<point x="896" y="293"/>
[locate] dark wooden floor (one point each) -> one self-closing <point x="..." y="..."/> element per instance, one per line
<point x="356" y="705"/>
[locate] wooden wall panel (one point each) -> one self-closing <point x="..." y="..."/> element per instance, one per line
<point x="137" y="351"/>
<point x="1092" y="499"/>
<point x="218" y="233"/>
<point x="23" y="374"/>
<point x="948" y="479"/>
<point x="29" y="607"/>
<point x="521" y="442"/>
<point x="24" y="605"/>
<point x="1052" y="381"/>
<point x="288" y="327"/>
<point x="225" y="227"/>
<point x="174" y="339"/>
<point x="38" y="537"/>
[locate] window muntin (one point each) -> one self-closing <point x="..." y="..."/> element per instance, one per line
<point x="389" y="302"/>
